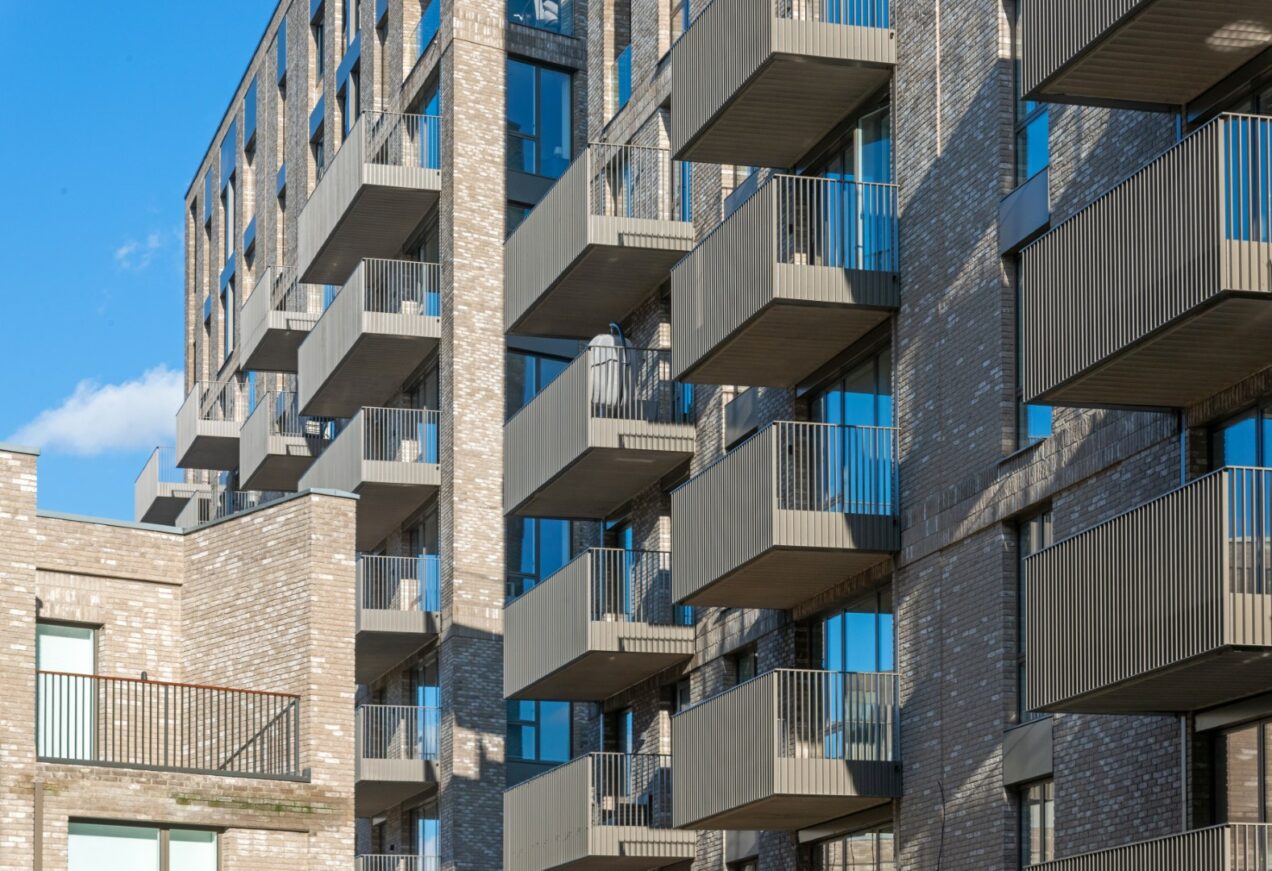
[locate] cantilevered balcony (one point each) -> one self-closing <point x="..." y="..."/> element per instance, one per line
<point x="277" y="443"/>
<point x="125" y="722"/>
<point x="761" y="82"/>
<point x="162" y="490"/>
<point x="598" y="812"/>
<point x="1167" y="608"/>
<point x="208" y="425"/>
<point x="388" y="456"/>
<point x="601" y="624"/>
<point x="223" y="502"/>
<point x="396" y="861"/>
<point x="596" y="246"/>
<point x="397" y="755"/>
<point x="787" y="750"/>
<point x="1138" y="53"/>
<point x="1158" y="294"/>
<point x="786" y="515"/>
<point x="399" y="598"/>
<point x="276" y="318"/>
<point x="1240" y="847"/>
<point x="376" y="332"/>
<point x="372" y="198"/>
<point x="798" y="273"/>
<point x="611" y="425"/>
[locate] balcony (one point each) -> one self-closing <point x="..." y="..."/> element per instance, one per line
<point x="398" y="603"/>
<point x="794" y="276"/>
<point x="761" y="82"/>
<point x="596" y="246"/>
<point x="388" y="456"/>
<point x="1158" y="294"/>
<point x="277" y="443"/>
<point x="597" y="812"/>
<point x="787" y="750"/>
<point x="208" y="425"/>
<point x="1165" y="609"/>
<point x="375" y="334"/>
<point x="1145" y="54"/>
<point x="610" y="426"/>
<point x="601" y="624"/>
<point x="372" y="198"/>
<point x="786" y="515"/>
<point x="122" y="722"/>
<point x="1242" y="847"/>
<point x="397" y="755"/>
<point x="162" y="490"/>
<point x="397" y="862"/>
<point x="276" y="319"/>
<point x="221" y="502"/>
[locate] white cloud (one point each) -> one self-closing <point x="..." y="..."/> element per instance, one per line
<point x="99" y="418"/>
<point x="134" y="255"/>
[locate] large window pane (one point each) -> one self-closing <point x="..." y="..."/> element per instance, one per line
<point x="521" y="114"/>
<point x="555" y="731"/>
<point x="191" y="850"/>
<point x="1239" y="789"/>
<point x="98" y="847"/>
<point x="554" y="143"/>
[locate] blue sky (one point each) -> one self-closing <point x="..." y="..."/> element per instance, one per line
<point x="112" y="107"/>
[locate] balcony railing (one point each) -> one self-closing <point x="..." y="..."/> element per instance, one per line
<point x="286" y="420"/>
<point x="632" y="384"/>
<point x="399" y="435"/>
<point x="830" y="222"/>
<point x="395" y="861"/>
<point x="392" y="583"/>
<point x="398" y="287"/>
<point x="221" y="401"/>
<point x="837" y="468"/>
<point x="634" y="586"/>
<point x="838" y="715"/>
<point x="287" y="294"/>
<point x="631" y="789"/>
<point x="398" y="732"/>
<point x="856" y="13"/>
<point x="630" y="181"/>
<point x="392" y="139"/>
<point x="131" y="723"/>
<point x="1236" y="847"/>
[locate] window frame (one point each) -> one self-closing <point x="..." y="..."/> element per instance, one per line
<point x="1025" y="803"/>
<point x="1024" y="437"/>
<point x="1025" y="115"/>
<point x="1033" y="534"/>
<point x="536" y="723"/>
<point x="537" y="110"/>
<point x="164" y="832"/>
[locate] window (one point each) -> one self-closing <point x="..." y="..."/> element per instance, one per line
<point x="1243" y="774"/>
<point x="1245" y="440"/>
<point x="514" y="214"/>
<point x="1031" y="536"/>
<point x="855" y="468"/>
<point x="104" y="847"/>
<point x="430" y="23"/>
<point x="536" y="547"/>
<point x="423" y="831"/>
<point x="526" y="375"/>
<point x="1032" y="124"/>
<point x="227" y="319"/>
<point x="350" y="99"/>
<point x="860" y="637"/>
<point x="539" y="731"/>
<point x="618" y="731"/>
<point x="678" y="18"/>
<point x="745" y="865"/>
<point x="65" y="714"/>
<point x="318" y="150"/>
<point x="229" y="220"/>
<point x="861" y="851"/>
<point x="1033" y="422"/>
<point x="681" y="695"/>
<point x="556" y="16"/>
<point x="684" y="191"/>
<point x="349" y="21"/>
<point x="540" y="129"/>
<point x="746" y="665"/>
<point x="1037" y="823"/>
<point x="320" y="48"/>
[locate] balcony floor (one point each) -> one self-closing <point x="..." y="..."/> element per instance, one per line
<point x="383" y="506"/>
<point x="167" y="505"/>
<point x="788" y="813"/>
<point x="387" y="638"/>
<point x="1209" y="349"/>
<point x="215" y="446"/>
<point x="787" y="107"/>
<point x="377" y="223"/>
<point x="385" y="783"/>
<point x="600" y="674"/>
<point x="784" y="343"/>
<point x="632" y="851"/>
<point x="372" y="370"/>
<point x="1203" y="682"/>
<point x="603" y="285"/>
<point x="1166" y="55"/>
<point x="281" y="469"/>
<point x="276" y="351"/>
<point x="602" y="479"/>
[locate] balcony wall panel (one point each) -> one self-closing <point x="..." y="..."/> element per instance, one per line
<point x="1218" y="848"/>
<point x="546" y="818"/>
<point x="546" y="627"/>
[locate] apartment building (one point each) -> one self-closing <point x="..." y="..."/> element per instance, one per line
<point x="787" y="434"/>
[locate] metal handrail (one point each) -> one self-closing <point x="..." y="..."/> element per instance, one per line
<point x="631" y="789"/>
<point x="630" y="181"/>
<point x="634" y="384"/>
<point x="633" y="586"/>
<point x="398" y="731"/>
<point x="404" y="140"/>
<point x="400" y="435"/>
<point x="399" y="583"/>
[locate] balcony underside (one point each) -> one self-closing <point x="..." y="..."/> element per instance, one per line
<point x="286" y="460"/>
<point x="214" y="446"/>
<point x="603" y="285"/>
<point x="785" y="109"/>
<point x="600" y="674"/>
<point x="782" y="577"/>
<point x="382" y="507"/>
<point x="167" y="504"/>
<point x="377" y="223"/>
<point x="788" y="813"/>
<point x="385" y="783"/>
<point x="387" y="638"/>
<point x="1216" y="678"/>
<point x="371" y="370"/>
<point x="633" y="848"/>
<point x="278" y="346"/>
<point x="784" y="343"/>
<point x="1164" y="55"/>
<point x="1209" y="349"/>
<point x="601" y="480"/>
